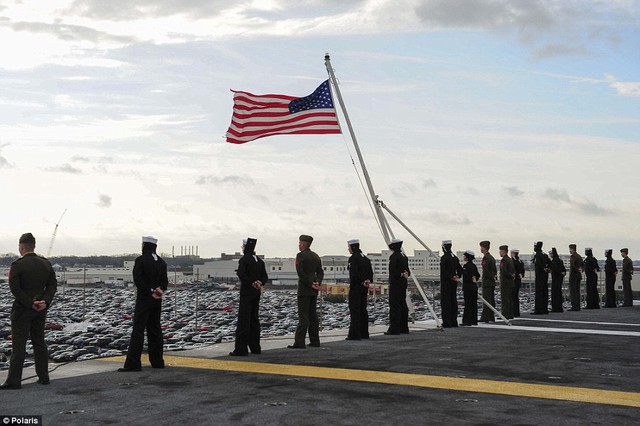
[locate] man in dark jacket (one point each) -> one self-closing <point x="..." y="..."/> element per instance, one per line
<point x="310" y="275"/>
<point x="470" y="277"/>
<point x="360" y="278"/>
<point x="627" y="271"/>
<point x="610" y="271"/>
<point x="575" y="276"/>
<point x="450" y="276"/>
<point x="33" y="284"/>
<point x="253" y="276"/>
<point x="542" y="265"/>
<point x="150" y="279"/>
<point x="398" y="274"/>
<point x="507" y="276"/>
<point x="519" y="267"/>
<point x="558" y="271"/>
<point x="489" y="273"/>
<point x="591" y="270"/>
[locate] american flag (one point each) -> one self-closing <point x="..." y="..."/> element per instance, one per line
<point x="258" y="116"/>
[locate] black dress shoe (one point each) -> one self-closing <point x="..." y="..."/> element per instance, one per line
<point x="44" y="381"/>
<point x="234" y="353"/>
<point x="351" y="338"/>
<point x="388" y="333"/>
<point x="158" y="366"/>
<point x="128" y="370"/>
<point x="8" y="386"/>
<point x="315" y="345"/>
<point x="258" y="352"/>
<point x="295" y="347"/>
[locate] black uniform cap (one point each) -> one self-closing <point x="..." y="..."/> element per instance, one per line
<point x="306" y="238"/>
<point x="250" y="245"/>
<point x="504" y="247"/>
<point x="624" y="250"/>
<point x="572" y="246"/>
<point x="486" y="244"/>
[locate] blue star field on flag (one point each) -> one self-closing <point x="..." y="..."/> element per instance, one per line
<point x="320" y="98"/>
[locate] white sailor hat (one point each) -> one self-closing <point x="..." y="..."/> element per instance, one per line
<point x="149" y="239"/>
<point x="444" y="242"/>
<point x="515" y="250"/>
<point x="395" y="240"/>
<point x="470" y="253"/>
<point x="352" y="242"/>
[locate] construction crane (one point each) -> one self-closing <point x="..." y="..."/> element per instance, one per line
<point x="55" y="231"/>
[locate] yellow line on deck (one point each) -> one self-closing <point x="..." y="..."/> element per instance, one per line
<point x="529" y="390"/>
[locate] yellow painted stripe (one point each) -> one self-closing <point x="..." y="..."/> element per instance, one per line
<point x="529" y="390"/>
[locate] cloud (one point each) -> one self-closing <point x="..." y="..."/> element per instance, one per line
<point x="65" y="168"/>
<point x="140" y="9"/>
<point x="104" y="201"/>
<point x="623" y="89"/>
<point x="551" y="28"/>
<point x="556" y="50"/>
<point x="467" y="190"/>
<point x="556" y="194"/>
<point x="224" y="180"/>
<point x="583" y="205"/>
<point x="79" y="159"/>
<point x="447" y="218"/>
<point x="65" y="32"/>
<point x="513" y="191"/>
<point x="485" y="14"/>
<point x="404" y="189"/>
<point x="429" y="183"/>
<point x="4" y="163"/>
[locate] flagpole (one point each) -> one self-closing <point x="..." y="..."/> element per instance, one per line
<point x="384" y="224"/>
<point x="372" y="194"/>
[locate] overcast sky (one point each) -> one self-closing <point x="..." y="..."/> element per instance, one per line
<point x="511" y="121"/>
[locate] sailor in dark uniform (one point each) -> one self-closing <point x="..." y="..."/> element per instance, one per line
<point x="360" y="278"/>
<point x="450" y="276"/>
<point x="542" y="266"/>
<point x="470" y="277"/>
<point x="591" y="270"/>
<point x="610" y="270"/>
<point x="253" y="276"/>
<point x="150" y="279"/>
<point x="310" y="275"/>
<point x="558" y="271"/>
<point x="33" y="284"/>
<point x="575" y="276"/>
<point x="507" y="276"/>
<point x="489" y="273"/>
<point x="627" y="272"/>
<point x="398" y="274"/>
<point x="519" y="267"/>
